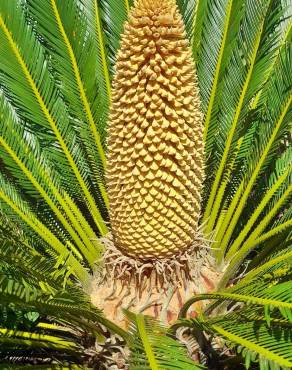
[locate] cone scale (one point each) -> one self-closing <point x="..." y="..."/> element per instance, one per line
<point x="155" y="145"/>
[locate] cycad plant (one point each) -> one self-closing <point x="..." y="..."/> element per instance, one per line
<point x="145" y="179"/>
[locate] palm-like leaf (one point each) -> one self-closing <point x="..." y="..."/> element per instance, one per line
<point x="42" y="104"/>
<point x="247" y="153"/>
<point x="87" y="95"/>
<point x="260" y="326"/>
<point x="38" y="287"/>
<point x="256" y="341"/>
<point x="153" y="349"/>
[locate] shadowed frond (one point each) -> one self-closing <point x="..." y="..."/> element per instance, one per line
<point x="152" y="349"/>
<point x="188" y="11"/>
<point x="32" y="282"/>
<point x="16" y="207"/>
<point x="112" y="16"/>
<point x="257" y="322"/>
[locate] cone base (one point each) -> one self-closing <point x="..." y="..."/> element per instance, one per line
<point x="158" y="288"/>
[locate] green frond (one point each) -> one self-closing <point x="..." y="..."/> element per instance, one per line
<point x="279" y="261"/>
<point x="218" y="33"/>
<point x="151" y="347"/>
<point x="250" y="242"/>
<point x="249" y="299"/>
<point x="188" y="11"/>
<point x="253" y="339"/>
<point x="260" y="327"/>
<point x="17" y="207"/>
<point x="83" y="91"/>
<point x="95" y="18"/>
<point x="233" y="95"/>
<point x="275" y="240"/>
<point x="68" y="305"/>
<point x="33" y="282"/>
<point x="11" y="338"/>
<point x="17" y="260"/>
<point x="221" y="191"/>
<point x="113" y="14"/>
<point x="273" y="40"/>
<point x="252" y="221"/>
<point x="200" y="10"/>
<point x="278" y="121"/>
<point x="35" y="175"/>
<point x="36" y="93"/>
<point x="229" y="123"/>
<point x="271" y="348"/>
<point x="21" y="345"/>
<point x="275" y="285"/>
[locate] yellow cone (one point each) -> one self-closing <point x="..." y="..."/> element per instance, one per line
<point x="155" y="147"/>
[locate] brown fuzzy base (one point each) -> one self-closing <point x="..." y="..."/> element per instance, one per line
<point x="157" y="288"/>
